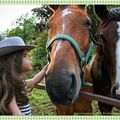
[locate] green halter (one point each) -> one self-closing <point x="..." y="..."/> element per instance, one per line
<point x="84" y="59"/>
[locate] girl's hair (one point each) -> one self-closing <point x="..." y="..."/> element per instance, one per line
<point x="10" y="81"/>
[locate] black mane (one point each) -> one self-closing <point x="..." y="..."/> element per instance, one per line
<point x="114" y="14"/>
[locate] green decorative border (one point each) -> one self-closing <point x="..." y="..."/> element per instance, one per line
<point x="36" y="2"/>
<point x="60" y="117"/>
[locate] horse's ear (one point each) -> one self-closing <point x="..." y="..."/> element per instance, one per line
<point x="101" y="11"/>
<point x="53" y="7"/>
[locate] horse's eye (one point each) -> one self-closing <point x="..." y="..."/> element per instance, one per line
<point x="102" y="39"/>
<point x="88" y="23"/>
<point x="101" y="36"/>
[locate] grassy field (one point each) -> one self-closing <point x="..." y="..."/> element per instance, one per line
<point x="41" y="104"/>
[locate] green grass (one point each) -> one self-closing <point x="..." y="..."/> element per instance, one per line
<point x="41" y="104"/>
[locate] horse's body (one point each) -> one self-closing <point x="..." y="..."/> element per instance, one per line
<point x="63" y="80"/>
<point x="105" y="71"/>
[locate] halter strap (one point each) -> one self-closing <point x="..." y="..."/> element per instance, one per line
<point x="84" y="59"/>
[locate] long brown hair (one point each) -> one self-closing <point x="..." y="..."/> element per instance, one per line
<point x="10" y="81"/>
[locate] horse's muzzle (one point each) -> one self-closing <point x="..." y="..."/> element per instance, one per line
<point x="61" y="89"/>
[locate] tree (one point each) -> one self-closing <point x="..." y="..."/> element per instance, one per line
<point x="25" y="28"/>
<point x="42" y="13"/>
<point x="39" y="54"/>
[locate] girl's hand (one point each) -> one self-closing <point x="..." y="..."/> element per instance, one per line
<point x="45" y="67"/>
<point x="37" y="78"/>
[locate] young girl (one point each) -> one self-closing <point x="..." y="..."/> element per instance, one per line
<point x="14" y="61"/>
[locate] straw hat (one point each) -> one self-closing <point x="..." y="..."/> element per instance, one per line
<point x="13" y="44"/>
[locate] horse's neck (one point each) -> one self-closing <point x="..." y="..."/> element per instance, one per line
<point x="104" y="54"/>
<point x="107" y="65"/>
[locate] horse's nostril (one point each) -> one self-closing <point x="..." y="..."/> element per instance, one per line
<point x="73" y="82"/>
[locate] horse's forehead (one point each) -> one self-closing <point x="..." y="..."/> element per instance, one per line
<point x="66" y="12"/>
<point x="71" y="10"/>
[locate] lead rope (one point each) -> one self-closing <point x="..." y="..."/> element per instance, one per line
<point x="83" y="68"/>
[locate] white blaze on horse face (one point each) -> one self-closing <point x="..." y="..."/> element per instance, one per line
<point x="66" y="12"/>
<point x="58" y="46"/>
<point x="118" y="56"/>
<point x="63" y="28"/>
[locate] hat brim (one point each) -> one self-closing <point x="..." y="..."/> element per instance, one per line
<point x="11" y="49"/>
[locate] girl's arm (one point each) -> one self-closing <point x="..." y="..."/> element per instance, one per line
<point x="13" y="107"/>
<point x="37" y="78"/>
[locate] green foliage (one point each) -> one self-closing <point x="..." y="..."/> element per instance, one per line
<point x="3" y="35"/>
<point x="39" y="54"/>
<point x="94" y="20"/>
<point x="42" y="13"/>
<point x="26" y="30"/>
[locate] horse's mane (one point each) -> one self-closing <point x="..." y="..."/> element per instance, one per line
<point x="114" y="14"/>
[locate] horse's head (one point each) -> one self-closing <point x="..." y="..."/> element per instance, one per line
<point x="109" y="33"/>
<point x="71" y="25"/>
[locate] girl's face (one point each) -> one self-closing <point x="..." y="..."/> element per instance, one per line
<point x="26" y="63"/>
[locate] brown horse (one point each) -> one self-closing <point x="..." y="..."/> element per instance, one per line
<point x="69" y="49"/>
<point x="105" y="71"/>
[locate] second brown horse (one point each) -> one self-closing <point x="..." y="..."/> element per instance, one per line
<point x="105" y="71"/>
